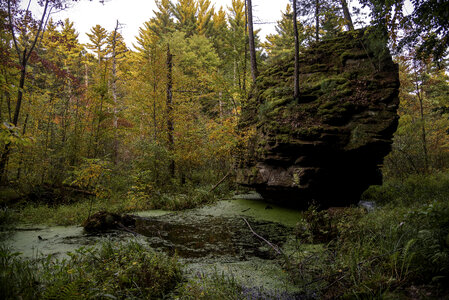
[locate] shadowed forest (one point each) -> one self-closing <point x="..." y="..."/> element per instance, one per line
<point x="109" y="130"/>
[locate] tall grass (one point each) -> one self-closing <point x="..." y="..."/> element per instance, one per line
<point x="113" y="271"/>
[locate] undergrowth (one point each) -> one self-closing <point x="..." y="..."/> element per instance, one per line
<point x="112" y="271"/>
<point x="399" y="250"/>
<point x="75" y="213"/>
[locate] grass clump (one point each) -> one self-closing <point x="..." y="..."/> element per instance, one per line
<point x="114" y="271"/>
<point x="213" y="286"/>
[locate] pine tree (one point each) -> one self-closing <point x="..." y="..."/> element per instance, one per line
<point x="220" y="32"/>
<point x="282" y="43"/>
<point x="162" y="23"/>
<point x="252" y="43"/>
<point x="324" y="16"/>
<point x="237" y="41"/>
<point x="185" y="13"/>
<point x="98" y="38"/>
<point x="204" y="18"/>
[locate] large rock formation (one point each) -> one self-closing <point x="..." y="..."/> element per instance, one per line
<point x="328" y="145"/>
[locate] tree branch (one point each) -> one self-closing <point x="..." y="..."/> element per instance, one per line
<point x="11" y="25"/>
<point x="41" y="23"/>
<point x="275" y="248"/>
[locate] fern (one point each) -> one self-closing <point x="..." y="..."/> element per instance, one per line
<point x="407" y="257"/>
<point x="69" y="291"/>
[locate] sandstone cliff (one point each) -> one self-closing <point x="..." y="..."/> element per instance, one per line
<point x="328" y="145"/>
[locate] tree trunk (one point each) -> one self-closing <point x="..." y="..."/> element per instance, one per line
<point x="317" y="20"/>
<point x="423" y="126"/>
<point x="349" y="24"/>
<point x="170" y="127"/>
<point x="20" y="91"/>
<point x="246" y="50"/>
<point x="252" y="47"/>
<point x="154" y="96"/>
<point x="100" y="119"/>
<point x="114" y="92"/>
<point x="295" y="30"/>
<point x="23" y="61"/>
<point x="7" y="149"/>
<point x="86" y="76"/>
<point x="19" y="169"/>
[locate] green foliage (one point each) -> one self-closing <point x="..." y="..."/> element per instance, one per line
<point x="281" y="44"/>
<point x="9" y="134"/>
<point x="401" y="243"/>
<point x="114" y="271"/>
<point x="411" y="191"/>
<point x="93" y="175"/>
<point x="426" y="25"/>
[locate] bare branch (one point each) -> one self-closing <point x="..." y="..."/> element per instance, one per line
<point x="275" y="248"/>
<point x="11" y="25"/>
<point x="41" y="23"/>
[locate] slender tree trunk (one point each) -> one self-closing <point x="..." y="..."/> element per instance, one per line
<point x="220" y="105"/>
<point x="48" y="132"/>
<point x="100" y="119"/>
<point x="1" y="105"/>
<point x="86" y="76"/>
<point x="23" y="57"/>
<point x="154" y="96"/>
<point x="423" y="126"/>
<point x="24" y="130"/>
<point x="8" y="99"/>
<point x="66" y="112"/>
<point x="295" y="30"/>
<point x="20" y="91"/>
<point x="246" y="49"/>
<point x="114" y="92"/>
<point x="252" y="47"/>
<point x="349" y="24"/>
<point x="77" y="125"/>
<point x="7" y="149"/>
<point x="235" y="67"/>
<point x="170" y="127"/>
<point x="317" y="20"/>
<point x="3" y="163"/>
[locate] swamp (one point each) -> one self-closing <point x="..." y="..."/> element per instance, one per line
<point x="204" y="156"/>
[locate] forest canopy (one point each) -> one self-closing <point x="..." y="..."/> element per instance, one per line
<point x="162" y="116"/>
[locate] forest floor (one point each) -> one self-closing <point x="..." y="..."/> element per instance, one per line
<point x="240" y="249"/>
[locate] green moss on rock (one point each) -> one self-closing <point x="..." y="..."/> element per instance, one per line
<point x="346" y="110"/>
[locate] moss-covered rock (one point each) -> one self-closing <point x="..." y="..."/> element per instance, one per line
<point x="328" y="144"/>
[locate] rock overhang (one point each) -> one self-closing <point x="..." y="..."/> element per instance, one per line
<point x="328" y="145"/>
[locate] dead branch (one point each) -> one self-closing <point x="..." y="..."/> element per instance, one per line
<point x="220" y="182"/>
<point x="275" y="248"/>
